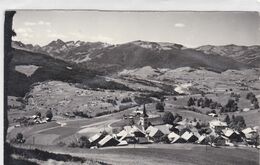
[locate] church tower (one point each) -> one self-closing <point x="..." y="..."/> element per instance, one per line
<point x="144" y="119"/>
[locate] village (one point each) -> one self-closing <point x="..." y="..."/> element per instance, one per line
<point x="216" y="133"/>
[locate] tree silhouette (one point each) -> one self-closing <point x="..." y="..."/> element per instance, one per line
<point x="168" y="118"/>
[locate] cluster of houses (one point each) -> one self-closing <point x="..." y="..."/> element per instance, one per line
<point x="167" y="133"/>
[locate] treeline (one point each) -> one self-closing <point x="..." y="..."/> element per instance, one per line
<point x="203" y="102"/>
<point x="235" y="122"/>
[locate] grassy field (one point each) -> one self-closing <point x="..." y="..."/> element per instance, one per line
<point x="165" y="154"/>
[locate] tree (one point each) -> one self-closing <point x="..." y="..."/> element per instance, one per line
<point x="49" y="114"/>
<point x="213" y="111"/>
<point x="168" y="118"/>
<point x="191" y="102"/>
<point x="84" y="142"/>
<point x="250" y="95"/>
<point x="19" y="138"/>
<point x="227" y="119"/>
<point x="178" y="118"/>
<point x="159" y="106"/>
<point x="207" y="102"/>
<point x="238" y="122"/>
<point x="256" y="105"/>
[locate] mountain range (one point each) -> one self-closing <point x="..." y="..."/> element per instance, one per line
<point x="106" y="57"/>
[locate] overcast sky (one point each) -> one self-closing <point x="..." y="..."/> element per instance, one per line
<point x="191" y="29"/>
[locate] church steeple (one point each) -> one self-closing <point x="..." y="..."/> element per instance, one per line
<point x="144" y="112"/>
<point x="144" y="119"/>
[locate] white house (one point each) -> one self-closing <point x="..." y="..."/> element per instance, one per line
<point x="217" y="124"/>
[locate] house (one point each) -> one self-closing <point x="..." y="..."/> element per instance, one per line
<point x="127" y="128"/>
<point x="184" y="122"/>
<point x="122" y="143"/>
<point x="172" y="136"/>
<point x="95" y="139"/>
<point x="217" y="125"/>
<point x="154" y="133"/>
<point x="108" y="141"/>
<point x="249" y="132"/>
<point x="231" y="135"/>
<point x="175" y="130"/>
<point x="246" y="109"/>
<point x="189" y="137"/>
<point x="137" y="132"/>
<point x="48" y="119"/>
<point x="121" y="134"/>
<point x="148" y="130"/>
<point x="181" y="127"/>
<point x="212" y="115"/>
<point x="250" y="135"/>
<point x="175" y="138"/>
<point x="202" y="140"/>
<point x="143" y="140"/>
<point x="130" y="138"/>
<point x="165" y="128"/>
<point x="34" y="116"/>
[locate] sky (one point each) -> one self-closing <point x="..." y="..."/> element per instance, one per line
<point x="191" y="29"/>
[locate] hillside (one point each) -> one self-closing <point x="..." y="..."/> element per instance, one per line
<point x="27" y="68"/>
<point x="249" y="55"/>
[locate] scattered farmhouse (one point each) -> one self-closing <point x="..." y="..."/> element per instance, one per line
<point x="189" y="137"/>
<point x="108" y="141"/>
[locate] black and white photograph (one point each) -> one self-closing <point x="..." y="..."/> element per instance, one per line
<point x="114" y="87"/>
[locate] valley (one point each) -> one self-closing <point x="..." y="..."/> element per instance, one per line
<point x="96" y="88"/>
